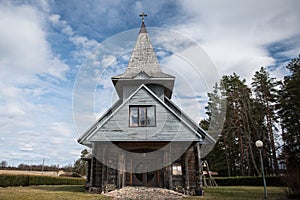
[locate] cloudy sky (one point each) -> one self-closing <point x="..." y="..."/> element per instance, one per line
<point x="48" y="47"/>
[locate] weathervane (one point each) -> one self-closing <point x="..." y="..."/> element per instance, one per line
<point x="143" y="15"/>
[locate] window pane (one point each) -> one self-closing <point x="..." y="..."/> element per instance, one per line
<point x="142" y="116"/>
<point x="151" y="116"/>
<point x="133" y="116"/>
<point x="177" y="169"/>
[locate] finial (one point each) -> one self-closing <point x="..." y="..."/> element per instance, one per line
<point x="143" y="15"/>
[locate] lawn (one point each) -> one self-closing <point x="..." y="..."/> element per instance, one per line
<point x="242" y="193"/>
<point x="45" y="192"/>
<point x="77" y="192"/>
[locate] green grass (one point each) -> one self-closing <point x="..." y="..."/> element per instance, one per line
<point x="66" y="192"/>
<point x="242" y="193"/>
<point x="48" y="192"/>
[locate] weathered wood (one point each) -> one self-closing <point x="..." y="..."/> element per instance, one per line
<point x="131" y="171"/>
<point x="121" y="162"/>
<point x="92" y="172"/>
<point x="191" y="168"/>
<point x="170" y="168"/>
<point x="168" y="126"/>
<point x="186" y="171"/>
<point x="166" y="175"/>
<point x="189" y="181"/>
<point x="123" y="169"/>
<point x="199" y="165"/>
<point x="89" y="174"/>
<point x="119" y="173"/>
<point x="158" y="177"/>
<point x="103" y="166"/>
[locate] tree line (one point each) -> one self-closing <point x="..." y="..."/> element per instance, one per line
<point x="36" y="167"/>
<point x="268" y="110"/>
<point x="79" y="167"/>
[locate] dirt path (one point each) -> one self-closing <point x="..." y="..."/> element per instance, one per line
<point x="130" y="193"/>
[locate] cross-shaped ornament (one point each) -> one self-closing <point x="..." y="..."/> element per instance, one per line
<point x="143" y="15"/>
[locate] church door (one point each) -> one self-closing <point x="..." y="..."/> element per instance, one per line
<point x="142" y="176"/>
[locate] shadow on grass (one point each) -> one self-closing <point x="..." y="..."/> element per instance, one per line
<point x="61" y="188"/>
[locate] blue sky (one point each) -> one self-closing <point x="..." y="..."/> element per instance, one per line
<point x="46" y="46"/>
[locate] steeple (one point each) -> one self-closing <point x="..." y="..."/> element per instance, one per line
<point x="143" y="65"/>
<point x="143" y="27"/>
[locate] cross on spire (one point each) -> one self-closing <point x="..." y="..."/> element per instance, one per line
<point x="143" y="15"/>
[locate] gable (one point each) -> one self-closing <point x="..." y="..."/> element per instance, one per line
<point x="169" y="126"/>
<point x="141" y="75"/>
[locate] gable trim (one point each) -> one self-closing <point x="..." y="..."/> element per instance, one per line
<point x="113" y="113"/>
<point x="199" y="129"/>
<point x="96" y="126"/>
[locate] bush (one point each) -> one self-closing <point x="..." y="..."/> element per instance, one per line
<point x="249" y="181"/>
<point x="292" y="181"/>
<point x="13" y="180"/>
<point x="26" y="180"/>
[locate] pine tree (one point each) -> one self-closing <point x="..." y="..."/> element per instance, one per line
<point x="234" y="148"/>
<point x="290" y="114"/>
<point x="216" y="110"/>
<point x="265" y="91"/>
<point x="80" y="165"/>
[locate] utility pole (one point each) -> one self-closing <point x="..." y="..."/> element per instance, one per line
<point x="43" y="165"/>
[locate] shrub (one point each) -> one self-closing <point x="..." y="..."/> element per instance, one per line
<point x="292" y="181"/>
<point x="26" y="180"/>
<point x="249" y="181"/>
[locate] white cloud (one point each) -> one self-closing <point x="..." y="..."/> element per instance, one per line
<point x="23" y="46"/>
<point x="30" y="100"/>
<point x="12" y="110"/>
<point x="26" y="147"/>
<point x="57" y="22"/>
<point x="235" y="34"/>
<point x="35" y="103"/>
<point x="84" y="46"/>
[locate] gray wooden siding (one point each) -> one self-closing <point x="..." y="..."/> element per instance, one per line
<point x="168" y="127"/>
<point x="128" y="90"/>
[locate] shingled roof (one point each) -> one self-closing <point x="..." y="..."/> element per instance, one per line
<point x="143" y="59"/>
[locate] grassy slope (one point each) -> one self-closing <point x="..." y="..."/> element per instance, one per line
<point x="78" y="193"/>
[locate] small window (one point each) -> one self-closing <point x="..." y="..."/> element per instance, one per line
<point x="176" y="169"/>
<point x="142" y="116"/>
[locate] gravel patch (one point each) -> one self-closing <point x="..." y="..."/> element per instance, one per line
<point x="132" y="193"/>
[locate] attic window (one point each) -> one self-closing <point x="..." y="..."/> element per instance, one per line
<point x="142" y="116"/>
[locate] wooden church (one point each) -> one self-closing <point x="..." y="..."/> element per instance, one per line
<point x="144" y="139"/>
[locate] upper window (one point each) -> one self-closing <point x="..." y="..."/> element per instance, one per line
<point x="142" y="116"/>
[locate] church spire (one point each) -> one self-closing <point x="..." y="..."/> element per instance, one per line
<point x="143" y="65"/>
<point x="143" y="57"/>
<point x="143" y="27"/>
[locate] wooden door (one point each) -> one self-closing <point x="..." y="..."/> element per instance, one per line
<point x="142" y="176"/>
